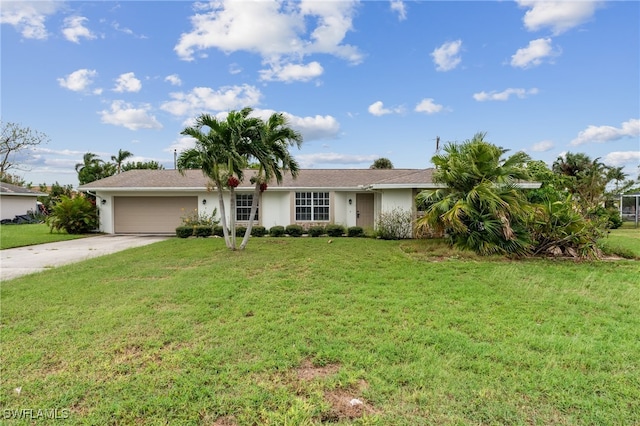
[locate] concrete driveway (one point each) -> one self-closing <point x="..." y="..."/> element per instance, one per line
<point x="20" y="261"/>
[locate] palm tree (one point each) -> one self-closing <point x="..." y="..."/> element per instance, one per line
<point x="93" y="168"/>
<point x="481" y="208"/>
<point x="382" y="163"/>
<point x="270" y="150"/>
<point x="218" y="150"/>
<point x="119" y="159"/>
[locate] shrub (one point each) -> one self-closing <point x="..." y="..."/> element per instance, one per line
<point x="394" y="225"/>
<point x="183" y="231"/>
<point x="334" y="230"/>
<point x="74" y="215"/>
<point x="202" y="231"/>
<point x="316" y="231"/>
<point x="258" y="231"/>
<point x="294" y="230"/>
<point x="355" y="231"/>
<point x="218" y="231"/>
<point x="194" y="218"/>
<point x="276" y="231"/>
<point x="240" y="230"/>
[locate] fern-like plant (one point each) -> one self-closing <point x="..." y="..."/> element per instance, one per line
<point x="75" y="215"/>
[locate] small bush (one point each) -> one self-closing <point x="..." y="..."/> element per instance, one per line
<point x="194" y="218"/>
<point x="202" y="231"/>
<point x="218" y="231"/>
<point x="184" y="231"/>
<point x="75" y="215"/>
<point x="240" y="230"/>
<point x="335" y="230"/>
<point x="355" y="231"/>
<point x="258" y="231"/>
<point x="394" y="225"/>
<point x="276" y="231"/>
<point x="316" y="231"/>
<point x="294" y="230"/>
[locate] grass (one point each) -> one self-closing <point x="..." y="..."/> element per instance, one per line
<point x="292" y="329"/>
<point x="29" y="234"/>
<point x="624" y="241"/>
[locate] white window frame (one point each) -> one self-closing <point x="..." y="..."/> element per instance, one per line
<point x="243" y="207"/>
<point x="312" y="206"/>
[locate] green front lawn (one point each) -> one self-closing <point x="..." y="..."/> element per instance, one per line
<point x="29" y="234"/>
<point x="291" y="330"/>
<point x="624" y="240"/>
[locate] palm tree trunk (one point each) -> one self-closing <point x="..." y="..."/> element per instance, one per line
<point x="254" y="208"/>
<point x="232" y="217"/>
<point x="223" y="218"/>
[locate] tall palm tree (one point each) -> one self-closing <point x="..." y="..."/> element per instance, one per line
<point x="119" y="159"/>
<point x="93" y="168"/>
<point x="481" y="208"/>
<point x="218" y="150"/>
<point x="270" y="149"/>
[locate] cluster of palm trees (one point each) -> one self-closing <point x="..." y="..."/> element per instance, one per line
<point x="93" y="167"/>
<point x="225" y="148"/>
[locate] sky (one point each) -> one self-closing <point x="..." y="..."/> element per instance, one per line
<point x="359" y="79"/>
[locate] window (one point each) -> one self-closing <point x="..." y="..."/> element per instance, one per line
<point x="312" y="206"/>
<point x="243" y="207"/>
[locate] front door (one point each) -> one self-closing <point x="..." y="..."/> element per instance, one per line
<point x="364" y="210"/>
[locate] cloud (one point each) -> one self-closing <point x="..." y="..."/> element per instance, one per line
<point x="504" y="95"/>
<point x="28" y="17"/>
<point x="542" y="146"/>
<point x="428" y="106"/>
<point x="174" y="79"/>
<point x="74" y="29"/>
<point x="78" y="81"/>
<point x="125" y="115"/>
<point x="446" y="57"/>
<point x="205" y="99"/>
<point x="619" y="158"/>
<point x="280" y="32"/>
<point x="534" y="53"/>
<point x="116" y="26"/>
<point x="316" y="127"/>
<point x="398" y="6"/>
<point x="601" y="134"/>
<point x="292" y="72"/>
<point x="560" y="16"/>
<point x="377" y="108"/>
<point x="127" y="83"/>
<point x="311" y="160"/>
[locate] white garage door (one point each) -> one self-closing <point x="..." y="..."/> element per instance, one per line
<point x="152" y="215"/>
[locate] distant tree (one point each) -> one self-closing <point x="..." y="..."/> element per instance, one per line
<point x="382" y="163"/>
<point x="54" y="194"/>
<point x="16" y="144"/>
<point x="13" y="179"/>
<point x="119" y="159"/>
<point x="93" y="168"/>
<point x="139" y="165"/>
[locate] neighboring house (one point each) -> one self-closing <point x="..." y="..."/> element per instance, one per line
<point x="17" y="200"/>
<point x="153" y="201"/>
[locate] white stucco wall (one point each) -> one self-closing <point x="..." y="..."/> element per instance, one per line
<point x="397" y="199"/>
<point x="276" y="208"/>
<point x="13" y="205"/>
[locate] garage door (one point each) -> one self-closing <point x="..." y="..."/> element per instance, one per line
<point x="152" y="215"/>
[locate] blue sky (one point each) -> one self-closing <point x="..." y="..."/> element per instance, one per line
<point x="359" y="80"/>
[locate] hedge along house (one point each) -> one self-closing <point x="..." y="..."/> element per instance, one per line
<point x="153" y="201"/>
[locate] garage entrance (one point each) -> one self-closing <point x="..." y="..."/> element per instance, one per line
<point x="150" y="215"/>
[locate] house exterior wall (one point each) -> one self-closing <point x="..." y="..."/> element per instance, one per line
<point x="13" y="205"/>
<point x="397" y="199"/>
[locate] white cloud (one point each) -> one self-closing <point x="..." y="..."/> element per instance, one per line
<point x="279" y="31"/>
<point x="619" y="158"/>
<point x="205" y="99"/>
<point x="559" y="15"/>
<point x="78" y="81"/>
<point x="447" y="56"/>
<point x="600" y="134"/>
<point x="174" y="79"/>
<point x="74" y="29"/>
<point x="428" y="106"/>
<point x="542" y="146"/>
<point x="116" y="26"/>
<point x="504" y="95"/>
<point x="29" y="17"/>
<point x="398" y="6"/>
<point x="534" y="53"/>
<point x="292" y="72"/>
<point x="127" y="83"/>
<point x="125" y="115"/>
<point x="377" y="108"/>
<point x="311" y="160"/>
<point x="316" y="127"/>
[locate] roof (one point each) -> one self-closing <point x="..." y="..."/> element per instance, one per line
<point x="10" y="189"/>
<point x="307" y="178"/>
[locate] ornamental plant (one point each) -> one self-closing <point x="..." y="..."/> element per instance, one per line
<point x="75" y="215"/>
